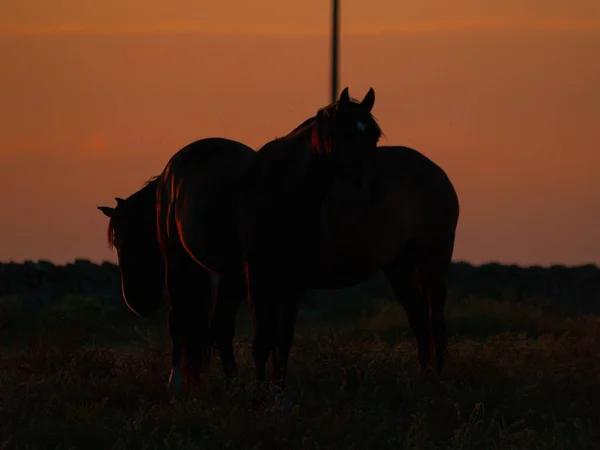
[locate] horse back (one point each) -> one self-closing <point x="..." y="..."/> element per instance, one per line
<point x="416" y="203"/>
<point x="436" y="208"/>
<point x="404" y="166"/>
<point x="195" y="200"/>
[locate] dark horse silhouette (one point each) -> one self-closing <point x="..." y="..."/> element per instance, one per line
<point x="158" y="236"/>
<point x="322" y="207"/>
<point x="332" y="209"/>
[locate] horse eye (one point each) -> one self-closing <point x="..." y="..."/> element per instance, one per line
<point x="361" y="125"/>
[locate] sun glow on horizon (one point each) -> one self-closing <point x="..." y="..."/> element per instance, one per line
<point x="198" y="28"/>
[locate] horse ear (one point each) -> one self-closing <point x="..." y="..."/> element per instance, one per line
<point x="107" y="210"/>
<point x="344" y="96"/>
<point x="369" y="100"/>
<point x="120" y="201"/>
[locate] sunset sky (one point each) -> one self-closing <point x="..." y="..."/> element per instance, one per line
<point x="504" y="95"/>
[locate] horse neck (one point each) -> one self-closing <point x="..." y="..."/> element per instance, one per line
<point x="288" y="163"/>
<point x="144" y="200"/>
<point x="143" y="205"/>
<point x="318" y="174"/>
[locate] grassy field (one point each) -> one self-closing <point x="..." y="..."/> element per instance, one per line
<point x="82" y="376"/>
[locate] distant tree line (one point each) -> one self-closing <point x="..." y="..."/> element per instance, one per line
<point x="575" y="289"/>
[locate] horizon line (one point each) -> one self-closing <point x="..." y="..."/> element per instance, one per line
<point x="454" y="261"/>
<point x="417" y="27"/>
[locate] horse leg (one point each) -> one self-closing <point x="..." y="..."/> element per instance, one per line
<point x="435" y="269"/>
<point x="175" y="324"/>
<point x="288" y="312"/>
<point x="261" y="282"/>
<point x="436" y="293"/>
<point x="230" y="293"/>
<point x="175" y="383"/>
<point x="407" y="285"/>
<point x="189" y="289"/>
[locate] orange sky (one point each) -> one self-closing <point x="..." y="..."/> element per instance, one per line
<point x="96" y="96"/>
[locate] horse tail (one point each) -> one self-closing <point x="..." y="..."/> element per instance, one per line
<point x="191" y="300"/>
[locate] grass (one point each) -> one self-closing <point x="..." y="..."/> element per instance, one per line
<point x="82" y="376"/>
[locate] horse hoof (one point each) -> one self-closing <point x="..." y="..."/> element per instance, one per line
<point x="439" y="369"/>
<point x="259" y="403"/>
<point x="230" y="382"/>
<point x="175" y="384"/>
<point x="282" y="403"/>
<point x="425" y="374"/>
<point x="279" y="404"/>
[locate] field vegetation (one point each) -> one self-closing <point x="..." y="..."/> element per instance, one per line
<point x="80" y="374"/>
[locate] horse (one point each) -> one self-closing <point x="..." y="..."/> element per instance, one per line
<point x="322" y="207"/>
<point x="210" y="219"/>
<point x="329" y="209"/>
<point x="147" y="231"/>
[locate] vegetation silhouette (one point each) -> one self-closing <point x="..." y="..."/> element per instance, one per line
<point x="518" y="378"/>
<point x="572" y="290"/>
<point x="322" y="207"/>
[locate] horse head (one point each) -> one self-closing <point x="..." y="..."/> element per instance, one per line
<point x="132" y="233"/>
<point x="346" y="130"/>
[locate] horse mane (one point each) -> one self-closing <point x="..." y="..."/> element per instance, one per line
<point x="320" y="127"/>
<point x="147" y="189"/>
<point x="110" y="233"/>
<point x="315" y="132"/>
<point x="150" y="181"/>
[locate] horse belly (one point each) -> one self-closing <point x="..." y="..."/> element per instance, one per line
<point x="357" y="237"/>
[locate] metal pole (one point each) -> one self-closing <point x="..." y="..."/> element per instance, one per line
<point x="334" y="50"/>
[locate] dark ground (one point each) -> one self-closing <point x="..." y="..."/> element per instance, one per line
<point x="81" y="375"/>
